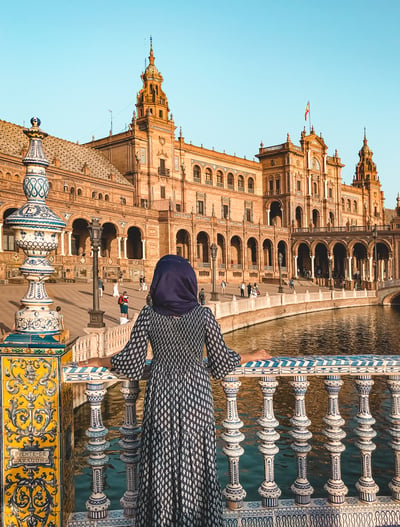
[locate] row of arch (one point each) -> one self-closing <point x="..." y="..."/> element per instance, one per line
<point x="222" y="180"/>
<point x="275" y="217"/>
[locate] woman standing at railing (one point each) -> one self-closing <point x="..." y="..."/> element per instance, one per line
<point x="178" y="481"/>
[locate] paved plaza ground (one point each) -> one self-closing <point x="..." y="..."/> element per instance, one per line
<point x="75" y="299"/>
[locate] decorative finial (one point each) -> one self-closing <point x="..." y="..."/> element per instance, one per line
<point x="35" y="122"/>
<point x="36" y="228"/>
<point x="151" y="56"/>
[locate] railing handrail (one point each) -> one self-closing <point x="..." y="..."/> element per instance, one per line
<point x="321" y="365"/>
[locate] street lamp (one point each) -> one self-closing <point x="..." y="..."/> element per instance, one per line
<point x="95" y="314"/>
<point x="213" y="249"/>
<point x="375" y="235"/>
<point x="280" y="260"/>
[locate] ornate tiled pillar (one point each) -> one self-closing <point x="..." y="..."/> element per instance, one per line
<point x="37" y="416"/>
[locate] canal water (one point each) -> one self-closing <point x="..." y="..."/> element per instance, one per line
<point x="366" y="330"/>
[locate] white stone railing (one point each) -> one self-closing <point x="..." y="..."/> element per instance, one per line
<point x="102" y="342"/>
<point x="335" y="509"/>
<point x="237" y="307"/>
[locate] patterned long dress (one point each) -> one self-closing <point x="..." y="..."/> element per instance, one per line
<point x="178" y="481"/>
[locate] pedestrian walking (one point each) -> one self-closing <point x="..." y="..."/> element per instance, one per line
<point x="101" y="287"/>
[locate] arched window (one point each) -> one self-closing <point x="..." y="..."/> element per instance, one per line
<point x="343" y="204"/>
<point x="79" y="192"/>
<point x="196" y="173"/>
<point x="208" y="176"/>
<point x="230" y="180"/>
<point x="100" y="196"/>
<point x="94" y="194"/>
<point x="220" y="179"/>
<point x="355" y="206"/>
<point x="241" y="183"/>
<point x="106" y="197"/>
<point x="348" y="205"/>
<point x="250" y="185"/>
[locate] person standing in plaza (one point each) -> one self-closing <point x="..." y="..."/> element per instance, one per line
<point x="101" y="287"/>
<point x="223" y="285"/>
<point x="123" y="307"/>
<point x="178" y="479"/>
<point x="242" y="289"/>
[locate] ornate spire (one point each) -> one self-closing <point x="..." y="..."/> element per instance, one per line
<point x="151" y="100"/>
<point x="36" y="228"/>
<point x="151" y="56"/>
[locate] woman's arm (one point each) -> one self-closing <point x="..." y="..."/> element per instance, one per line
<point x="96" y="362"/>
<point x="256" y="355"/>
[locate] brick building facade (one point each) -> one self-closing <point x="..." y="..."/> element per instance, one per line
<point x="156" y="194"/>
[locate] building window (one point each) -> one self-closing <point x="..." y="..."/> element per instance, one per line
<point x="230" y="181"/>
<point x="220" y="179"/>
<point x="143" y="203"/>
<point x="160" y="114"/>
<point x="298" y="185"/>
<point x="162" y="170"/>
<point x="278" y="186"/>
<point x="241" y="183"/>
<point x="208" y="176"/>
<point x="250" y="185"/>
<point x="200" y="207"/>
<point x="196" y="173"/>
<point x="355" y="206"/>
<point x="178" y="207"/>
<point x="249" y="215"/>
<point x="271" y="187"/>
<point x="315" y="189"/>
<point x="225" y="212"/>
<point x="8" y="241"/>
<point x="330" y="192"/>
<point x="106" y="197"/>
<point x="162" y="192"/>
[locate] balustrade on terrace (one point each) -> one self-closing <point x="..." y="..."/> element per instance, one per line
<point x="335" y="508"/>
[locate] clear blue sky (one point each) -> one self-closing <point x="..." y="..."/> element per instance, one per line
<point x="235" y="73"/>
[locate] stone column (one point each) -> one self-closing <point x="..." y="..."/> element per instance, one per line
<point x="119" y="246"/>
<point x="312" y="267"/>
<point x="1" y="237"/>
<point x="295" y="266"/>
<point x="62" y="239"/>
<point x="125" y="242"/>
<point x="69" y="249"/>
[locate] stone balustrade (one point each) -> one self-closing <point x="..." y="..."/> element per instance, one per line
<point x="334" y="509"/>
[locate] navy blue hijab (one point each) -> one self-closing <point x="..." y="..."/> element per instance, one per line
<point x="174" y="287"/>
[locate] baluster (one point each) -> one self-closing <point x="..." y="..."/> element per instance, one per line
<point x="394" y="430"/>
<point x="130" y="444"/>
<point x="233" y="492"/>
<point x="301" y="488"/>
<point x="98" y="503"/>
<point x="335" y="487"/>
<point x="366" y="486"/>
<point x="269" y="490"/>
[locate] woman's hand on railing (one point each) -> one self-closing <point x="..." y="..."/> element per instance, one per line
<point x="96" y="362"/>
<point x="255" y="355"/>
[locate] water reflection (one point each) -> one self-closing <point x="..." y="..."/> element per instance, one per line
<point x="369" y="330"/>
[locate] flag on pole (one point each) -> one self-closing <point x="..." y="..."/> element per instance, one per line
<point x="307" y="111"/>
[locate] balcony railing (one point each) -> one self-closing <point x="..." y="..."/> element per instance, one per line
<point x="335" y="507"/>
